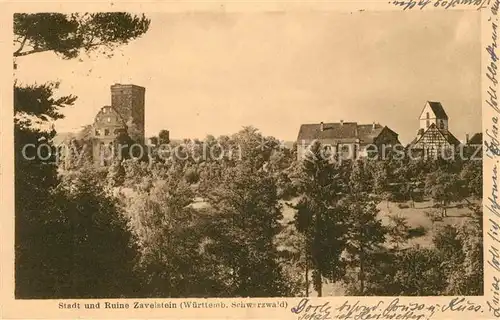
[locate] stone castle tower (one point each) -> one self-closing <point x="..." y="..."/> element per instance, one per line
<point x="125" y="113"/>
<point x="128" y="100"/>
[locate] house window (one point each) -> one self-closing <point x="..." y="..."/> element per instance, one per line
<point x="345" y="148"/>
<point x="441" y="124"/>
<point x="427" y="123"/>
<point x="427" y="115"/>
<point x="109" y="119"/>
<point x="97" y="132"/>
<point x="106" y="132"/>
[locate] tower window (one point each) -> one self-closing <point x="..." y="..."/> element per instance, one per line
<point x="427" y="115"/>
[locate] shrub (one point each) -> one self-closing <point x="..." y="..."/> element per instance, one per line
<point x="416" y="232"/>
<point x="433" y="216"/>
<point x="192" y="176"/>
<point x="403" y="206"/>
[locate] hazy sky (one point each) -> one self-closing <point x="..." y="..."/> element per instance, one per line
<point x="208" y="73"/>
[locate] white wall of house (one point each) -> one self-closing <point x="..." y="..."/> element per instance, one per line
<point x="344" y="151"/>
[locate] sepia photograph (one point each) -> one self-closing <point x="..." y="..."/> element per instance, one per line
<point x="205" y="154"/>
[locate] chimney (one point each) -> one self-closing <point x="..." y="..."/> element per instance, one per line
<point x="374" y="125"/>
<point x="467" y="138"/>
<point x="341" y="122"/>
<point x="321" y="126"/>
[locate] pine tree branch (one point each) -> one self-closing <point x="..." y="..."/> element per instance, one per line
<point x="21" y="47"/>
<point x="25" y="53"/>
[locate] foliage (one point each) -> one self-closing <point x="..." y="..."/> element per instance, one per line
<point x="418" y="273"/>
<point x="191" y="176"/>
<point x="135" y="172"/>
<point x="68" y="237"/>
<point x="163" y="137"/>
<point x="38" y="101"/>
<point x="35" y="183"/>
<point x="101" y="244"/>
<point x="415" y="232"/>
<point x="381" y="181"/>
<point x="461" y="247"/>
<point x="433" y="215"/>
<point x="443" y="187"/>
<point x="365" y="231"/>
<point x="319" y="219"/>
<point x="255" y="149"/>
<point x="398" y="230"/>
<point x="245" y="217"/>
<point x="174" y="259"/>
<point x="472" y="175"/>
<point x="290" y="244"/>
<point x="116" y="174"/>
<point x="379" y="270"/>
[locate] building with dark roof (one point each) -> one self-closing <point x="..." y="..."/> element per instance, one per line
<point x="433" y="112"/>
<point x="473" y="147"/>
<point x="433" y="137"/>
<point x="476" y="140"/>
<point x="346" y="138"/>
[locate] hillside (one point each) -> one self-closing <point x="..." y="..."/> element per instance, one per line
<point x="416" y="219"/>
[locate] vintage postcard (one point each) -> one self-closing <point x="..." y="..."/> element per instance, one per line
<point x="264" y="160"/>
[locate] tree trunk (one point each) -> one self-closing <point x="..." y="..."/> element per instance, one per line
<point x="318" y="284"/>
<point x="361" y="273"/>
<point x="317" y="281"/>
<point x="74" y="271"/>
<point x="307" y="271"/>
<point x="307" y="280"/>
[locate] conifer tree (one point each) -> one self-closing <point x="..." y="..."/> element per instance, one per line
<point x="318" y="216"/>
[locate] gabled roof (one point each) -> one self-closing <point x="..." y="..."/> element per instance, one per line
<point x="331" y="131"/>
<point x="476" y="139"/>
<point x="346" y="132"/>
<point x="437" y="108"/>
<point x="368" y="132"/>
<point x="449" y="137"/>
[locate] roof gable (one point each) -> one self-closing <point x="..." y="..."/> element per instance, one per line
<point x="447" y="135"/>
<point x="331" y="131"/>
<point x="367" y="133"/>
<point x="437" y="108"/>
<point x="476" y="139"/>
